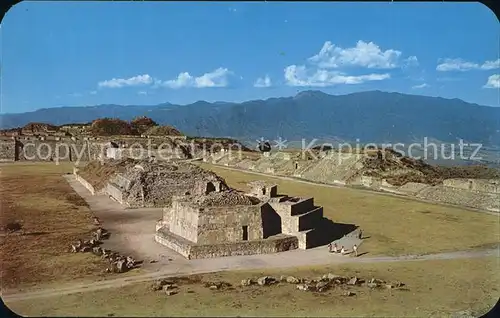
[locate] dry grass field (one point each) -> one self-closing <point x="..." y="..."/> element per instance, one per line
<point x="433" y="288"/>
<point x="395" y="226"/>
<point x="51" y="216"/>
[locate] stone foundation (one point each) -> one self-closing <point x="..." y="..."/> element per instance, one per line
<point x="188" y="249"/>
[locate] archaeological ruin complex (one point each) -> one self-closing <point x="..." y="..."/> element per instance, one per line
<point x="215" y="222"/>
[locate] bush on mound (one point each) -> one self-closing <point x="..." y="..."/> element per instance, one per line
<point x="111" y="126"/>
<point x="142" y="124"/>
<point x="163" y="131"/>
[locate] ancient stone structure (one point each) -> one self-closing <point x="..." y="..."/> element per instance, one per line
<point x="152" y="184"/>
<point x="215" y="222"/>
<point x="48" y="148"/>
<point x="479" y="185"/>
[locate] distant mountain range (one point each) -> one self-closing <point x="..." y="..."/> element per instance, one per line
<point x="371" y="116"/>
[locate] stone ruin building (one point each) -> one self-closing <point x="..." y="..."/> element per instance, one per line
<point x="216" y="221"/>
<point x="152" y="184"/>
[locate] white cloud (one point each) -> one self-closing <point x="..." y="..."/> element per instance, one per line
<point x="217" y="78"/>
<point x="75" y="95"/>
<point x="363" y="54"/>
<point x="461" y="65"/>
<point x="411" y="61"/>
<point x="301" y="76"/>
<point x="493" y="81"/>
<point x="263" y="82"/>
<point x="424" y="85"/>
<point x="142" y="93"/>
<point x="491" y="65"/>
<point x="132" y="81"/>
<point x="93" y="92"/>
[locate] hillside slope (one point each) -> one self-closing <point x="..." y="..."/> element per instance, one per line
<point x="372" y="116"/>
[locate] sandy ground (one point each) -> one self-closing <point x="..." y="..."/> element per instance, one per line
<point x="132" y="233"/>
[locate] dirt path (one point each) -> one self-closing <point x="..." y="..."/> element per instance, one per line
<point x="328" y="185"/>
<point x="179" y="271"/>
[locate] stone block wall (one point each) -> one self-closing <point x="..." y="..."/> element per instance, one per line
<point x="189" y="250"/>
<point x="226" y="224"/>
<point x="34" y="149"/>
<point x="184" y="221"/>
<point x="86" y="184"/>
<point x="114" y="191"/>
<point x="8" y="150"/>
<point x="271" y="245"/>
<point x="481" y="185"/>
<point x="173" y="242"/>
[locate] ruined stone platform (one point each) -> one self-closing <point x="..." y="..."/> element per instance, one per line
<point x="190" y="250"/>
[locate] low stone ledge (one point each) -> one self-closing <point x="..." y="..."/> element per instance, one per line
<point x="85" y="183"/>
<point x="191" y="250"/>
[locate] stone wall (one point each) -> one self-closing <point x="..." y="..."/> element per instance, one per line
<point x="226" y="224"/>
<point x="115" y="192"/>
<point x="277" y="244"/>
<point x="35" y="149"/>
<point x="85" y="183"/>
<point x="481" y="185"/>
<point x="173" y="242"/>
<point x="184" y="221"/>
<point x="8" y="150"/>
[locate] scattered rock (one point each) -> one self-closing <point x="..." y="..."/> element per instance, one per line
<point x="74" y="249"/>
<point x="169" y="286"/>
<point x="163" y="282"/>
<point x="153" y="261"/>
<point x="97" y="251"/>
<point x="331" y="276"/>
<point x="376" y="281"/>
<point x="247" y="282"/>
<point x="372" y="285"/>
<point x="217" y="285"/>
<point x="348" y="293"/>
<point x="120" y="266"/>
<point x="398" y="284"/>
<point x="303" y="287"/>
<point x="85" y="249"/>
<point x="171" y="292"/>
<point x="292" y="280"/>
<point x="266" y="280"/>
<point x="130" y="262"/>
<point x="322" y="286"/>
<point x="353" y="281"/>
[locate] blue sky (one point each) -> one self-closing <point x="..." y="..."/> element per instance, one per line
<point x="73" y="54"/>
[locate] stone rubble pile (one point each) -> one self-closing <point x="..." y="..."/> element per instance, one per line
<point x="217" y="285"/>
<point x="87" y="245"/>
<point x="118" y="263"/>
<point x="154" y="183"/>
<point x="318" y="284"/>
<point x="323" y="283"/>
<point x="226" y="198"/>
<point x="166" y="285"/>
